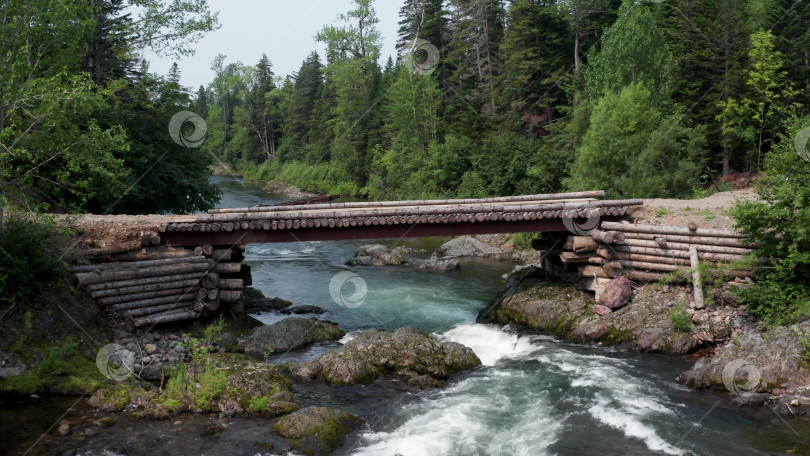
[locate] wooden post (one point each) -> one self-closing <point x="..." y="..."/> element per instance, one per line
<point x="696" y="282"/>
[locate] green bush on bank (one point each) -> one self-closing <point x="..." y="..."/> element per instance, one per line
<point x="30" y="248"/>
<point x="780" y="221"/>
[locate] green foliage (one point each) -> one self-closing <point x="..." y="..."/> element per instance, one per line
<point x="632" y="150"/>
<point x="634" y="51"/>
<point x="779" y="221"/>
<point x="61" y="367"/>
<point x="213" y="332"/>
<point x="523" y="241"/>
<point x="806" y="344"/>
<point x="30" y="249"/>
<point x="680" y="318"/>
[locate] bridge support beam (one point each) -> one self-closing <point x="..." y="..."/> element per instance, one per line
<point x="195" y="238"/>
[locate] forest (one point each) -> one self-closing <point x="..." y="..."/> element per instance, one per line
<point x="490" y="97"/>
<point x="640" y="98"/>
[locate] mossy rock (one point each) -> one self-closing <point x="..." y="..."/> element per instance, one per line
<point x="289" y="334"/>
<point x="228" y="383"/>
<point x="115" y="397"/>
<point x="316" y="431"/>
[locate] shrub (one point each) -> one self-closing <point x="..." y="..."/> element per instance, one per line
<point x="779" y="221"/>
<point x="29" y="253"/>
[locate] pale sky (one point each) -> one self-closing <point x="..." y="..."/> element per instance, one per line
<point x="283" y="29"/>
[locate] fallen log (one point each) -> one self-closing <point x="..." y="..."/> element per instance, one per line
<point x="705" y="256"/>
<point x="608" y="237"/>
<point x="155" y="253"/>
<point x="228" y="268"/>
<point x="229" y="295"/>
<point x="144" y="281"/>
<point x="186" y="297"/>
<point x="593" y="272"/>
<point x="172" y="317"/>
<point x="144" y="288"/>
<point x="575" y="258"/>
<point x="671" y="230"/>
<point x="222" y="255"/>
<point x="210" y="280"/>
<point x="701" y="240"/>
<point x="685" y="247"/>
<point x="147" y="295"/>
<point x="116" y="274"/>
<point x="212" y="304"/>
<point x="230" y="284"/>
<point x="185" y="305"/>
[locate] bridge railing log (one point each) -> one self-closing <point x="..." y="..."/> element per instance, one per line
<point x="573" y="196"/>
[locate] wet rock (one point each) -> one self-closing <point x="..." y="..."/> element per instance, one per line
<point x="440" y="264"/>
<point x="378" y="255"/>
<point x="253" y="301"/>
<point x="409" y="354"/>
<point x="617" y="294"/>
<point x="152" y="372"/>
<point x="775" y="362"/>
<point x="468" y="246"/>
<point x="63" y="429"/>
<point x="601" y="310"/>
<point x="535" y="301"/>
<point x="301" y="310"/>
<point x="316" y="430"/>
<point x="289" y="334"/>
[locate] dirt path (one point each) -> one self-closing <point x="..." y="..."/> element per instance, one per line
<point x="711" y="212"/>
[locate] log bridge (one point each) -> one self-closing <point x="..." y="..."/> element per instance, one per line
<point x="183" y="267"/>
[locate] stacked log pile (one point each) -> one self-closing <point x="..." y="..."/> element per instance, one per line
<point x="646" y="253"/>
<point x="161" y="285"/>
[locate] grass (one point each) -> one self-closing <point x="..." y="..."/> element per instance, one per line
<point x="680" y="318"/>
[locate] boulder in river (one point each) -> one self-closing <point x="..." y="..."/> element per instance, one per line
<point x="440" y="264"/>
<point x="253" y="300"/>
<point x="289" y="334"/>
<point x="468" y="246"/>
<point x="378" y="255"/>
<point x="316" y="430"/>
<point x="752" y="364"/>
<point x="409" y="354"/>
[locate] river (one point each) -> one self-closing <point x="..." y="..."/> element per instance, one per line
<point x="534" y="395"/>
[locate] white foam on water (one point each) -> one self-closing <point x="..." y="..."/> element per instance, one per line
<point x="349" y="337"/>
<point x="489" y="343"/>
<point x="631" y="426"/>
<point x="463" y="420"/>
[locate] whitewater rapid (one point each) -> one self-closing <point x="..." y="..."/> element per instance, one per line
<point x="506" y="407"/>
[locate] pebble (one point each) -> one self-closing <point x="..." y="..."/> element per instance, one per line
<point x="150" y="349"/>
<point x="172" y="337"/>
<point x="63" y="429"/>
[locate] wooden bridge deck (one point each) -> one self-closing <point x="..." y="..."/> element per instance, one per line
<point x="394" y="219"/>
